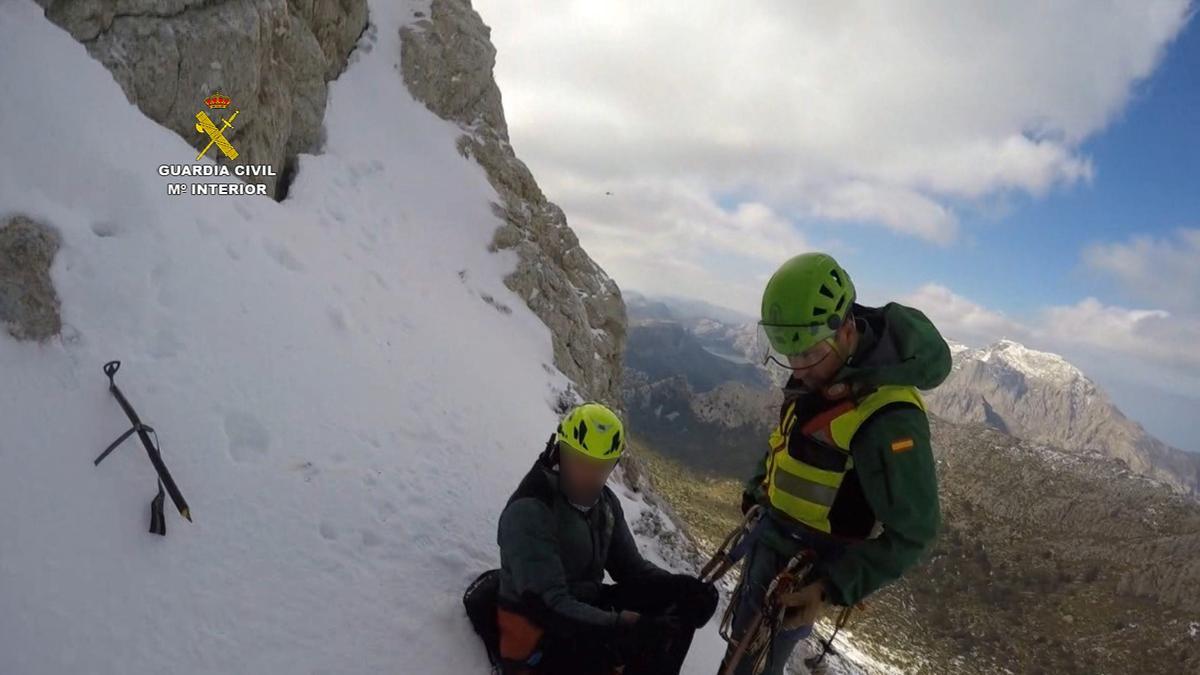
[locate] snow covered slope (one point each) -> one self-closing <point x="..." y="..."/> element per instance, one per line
<point x="343" y="410"/>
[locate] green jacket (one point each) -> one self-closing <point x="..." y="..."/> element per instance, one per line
<point x="897" y="345"/>
<point x="553" y="556"/>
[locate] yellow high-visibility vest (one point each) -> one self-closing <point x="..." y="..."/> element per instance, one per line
<point x="803" y="483"/>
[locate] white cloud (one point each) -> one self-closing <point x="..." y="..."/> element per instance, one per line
<point x="1161" y="270"/>
<point x="880" y="112"/>
<point x="672" y="238"/>
<point x="961" y="319"/>
<point x="1146" y="335"/>
<point x="901" y="209"/>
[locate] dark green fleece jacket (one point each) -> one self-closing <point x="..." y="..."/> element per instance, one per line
<point x="553" y="556"/>
<point x="897" y="345"/>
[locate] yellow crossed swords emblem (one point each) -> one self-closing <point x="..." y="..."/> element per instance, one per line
<point x="205" y="125"/>
<point x="215" y="135"/>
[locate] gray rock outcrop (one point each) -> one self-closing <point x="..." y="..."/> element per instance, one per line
<point x="28" y="302"/>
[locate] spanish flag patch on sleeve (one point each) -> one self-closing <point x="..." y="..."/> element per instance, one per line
<point x="902" y="445"/>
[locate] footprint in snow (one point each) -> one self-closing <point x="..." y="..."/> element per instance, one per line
<point x="328" y="531"/>
<point x="106" y="228"/>
<point x="337" y="319"/>
<point x="283" y="255"/>
<point x="164" y="344"/>
<point x="248" y="438"/>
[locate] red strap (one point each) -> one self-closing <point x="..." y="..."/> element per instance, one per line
<point x="519" y="636"/>
<point x="821" y="421"/>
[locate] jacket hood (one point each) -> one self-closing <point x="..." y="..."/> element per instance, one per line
<point x="898" y="345"/>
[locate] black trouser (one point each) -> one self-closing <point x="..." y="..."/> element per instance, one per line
<point x="598" y="652"/>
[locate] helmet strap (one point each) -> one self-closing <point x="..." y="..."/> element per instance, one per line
<point x="549" y="456"/>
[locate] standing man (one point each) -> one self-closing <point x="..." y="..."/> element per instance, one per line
<point x="559" y="533"/>
<point x="849" y="473"/>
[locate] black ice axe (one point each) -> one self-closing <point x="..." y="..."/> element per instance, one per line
<point x="158" y="524"/>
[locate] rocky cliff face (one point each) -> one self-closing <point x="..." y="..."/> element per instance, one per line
<point x="273" y="58"/>
<point x="1041" y="397"/>
<point x="447" y="63"/>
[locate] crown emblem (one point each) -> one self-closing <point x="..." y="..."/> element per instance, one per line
<point x="218" y="100"/>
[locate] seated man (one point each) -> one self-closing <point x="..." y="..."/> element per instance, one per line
<point x="559" y="533"/>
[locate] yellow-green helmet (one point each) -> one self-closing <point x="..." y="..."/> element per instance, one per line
<point x="594" y="430"/>
<point x="805" y="302"/>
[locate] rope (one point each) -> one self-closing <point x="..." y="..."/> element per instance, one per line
<point x="827" y="646"/>
<point x="761" y="632"/>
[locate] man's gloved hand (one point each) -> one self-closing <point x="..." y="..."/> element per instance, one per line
<point x="697" y="600"/>
<point x="656" y="629"/>
<point x="647" y="630"/>
<point x="642" y="644"/>
<point x="748" y="502"/>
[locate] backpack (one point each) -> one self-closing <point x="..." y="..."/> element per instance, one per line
<point x="480" y="601"/>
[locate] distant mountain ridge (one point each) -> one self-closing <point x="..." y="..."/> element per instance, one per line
<point x="1030" y="394"/>
<point x="663" y="349"/>
<point x="1040" y="396"/>
<point x="684" y="310"/>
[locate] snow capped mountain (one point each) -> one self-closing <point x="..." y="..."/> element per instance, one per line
<point x="681" y="309"/>
<point x="1041" y="396"/>
<point x="1033" y="363"/>
<point x="1014" y="357"/>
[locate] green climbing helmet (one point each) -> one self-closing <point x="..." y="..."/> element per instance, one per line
<point x="805" y="302"/>
<point x="594" y="430"/>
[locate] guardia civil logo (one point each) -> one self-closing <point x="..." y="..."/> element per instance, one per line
<point x="216" y="140"/>
<point x="204" y="125"/>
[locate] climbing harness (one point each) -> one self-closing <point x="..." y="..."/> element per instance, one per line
<point x="765" y="624"/>
<point x="733" y="548"/>
<point x="158" y="523"/>
<point x="767" y="620"/>
<point x="731" y="551"/>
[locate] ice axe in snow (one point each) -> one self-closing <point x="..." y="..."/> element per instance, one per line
<point x="158" y="524"/>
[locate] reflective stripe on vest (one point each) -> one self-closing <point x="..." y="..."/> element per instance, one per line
<point x="806" y="492"/>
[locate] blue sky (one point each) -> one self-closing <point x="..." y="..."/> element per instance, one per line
<point x="1022" y="169"/>
<point x="1028" y="253"/>
<point x="1147" y="181"/>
